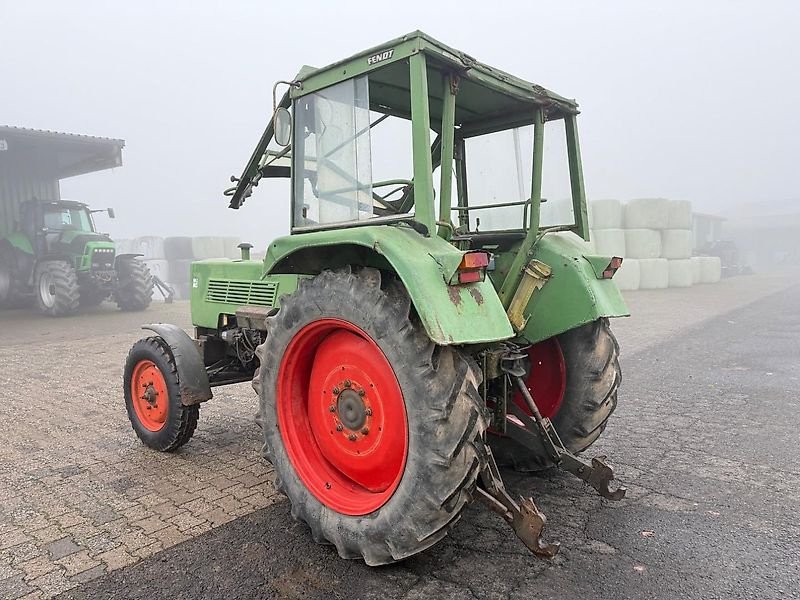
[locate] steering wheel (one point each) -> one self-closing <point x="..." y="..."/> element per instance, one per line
<point x="402" y="185"/>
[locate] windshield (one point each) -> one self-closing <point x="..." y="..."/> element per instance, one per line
<point x="68" y="218"/>
<point x="499" y="171"/>
<point x="332" y="157"/>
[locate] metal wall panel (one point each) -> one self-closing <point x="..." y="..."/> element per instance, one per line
<point x="19" y="181"/>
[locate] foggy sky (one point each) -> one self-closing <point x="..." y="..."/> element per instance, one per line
<point x="688" y="100"/>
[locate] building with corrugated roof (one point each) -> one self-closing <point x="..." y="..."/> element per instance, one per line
<point x="34" y="161"/>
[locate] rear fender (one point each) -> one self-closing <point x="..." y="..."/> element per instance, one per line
<point x="192" y="375"/>
<point x="460" y="314"/>
<point x="575" y="293"/>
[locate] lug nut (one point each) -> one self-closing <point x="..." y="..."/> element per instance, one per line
<point x="332" y="408"/>
<point x="368" y="412"/>
<point x="365" y="431"/>
<point x="352" y="437"/>
<point x="339" y="427"/>
<point x="347" y="383"/>
<point x="336" y="390"/>
<point x="361" y="393"/>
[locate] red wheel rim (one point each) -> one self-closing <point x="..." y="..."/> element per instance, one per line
<point x="547" y="378"/>
<point x="149" y="395"/>
<point x="342" y="416"/>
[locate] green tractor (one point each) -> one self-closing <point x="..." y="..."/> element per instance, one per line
<point x="414" y="331"/>
<point x="56" y="255"/>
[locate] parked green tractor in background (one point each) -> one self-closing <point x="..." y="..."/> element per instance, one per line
<point x="56" y="255"/>
<point x="422" y="323"/>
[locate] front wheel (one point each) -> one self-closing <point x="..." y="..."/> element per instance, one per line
<point x="153" y="397"/>
<point x="135" y="284"/>
<point x="375" y="433"/>
<point x="57" y="291"/>
<point x="573" y="379"/>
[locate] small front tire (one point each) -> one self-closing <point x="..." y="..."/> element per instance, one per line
<point x="153" y="397"/>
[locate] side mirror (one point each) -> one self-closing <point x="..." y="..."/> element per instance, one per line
<point x="282" y="124"/>
<point x="111" y="214"/>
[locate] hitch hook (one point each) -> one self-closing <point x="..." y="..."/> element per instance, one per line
<point x="525" y="518"/>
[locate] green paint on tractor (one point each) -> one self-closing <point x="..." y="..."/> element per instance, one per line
<point x="420" y="319"/>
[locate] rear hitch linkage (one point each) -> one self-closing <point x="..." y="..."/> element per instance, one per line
<point x="525" y="518"/>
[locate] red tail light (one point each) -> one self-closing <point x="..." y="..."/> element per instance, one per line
<point x="472" y="267"/>
<point x="474" y="260"/>
<point x="612" y="267"/>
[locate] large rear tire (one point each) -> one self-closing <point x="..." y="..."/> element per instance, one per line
<point x="135" y="287"/>
<point x="375" y="433"/>
<point x="581" y="410"/>
<point x="153" y="397"/>
<point x="57" y="291"/>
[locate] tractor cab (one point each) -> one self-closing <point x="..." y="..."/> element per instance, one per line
<point x="54" y="226"/>
<point x="415" y="133"/>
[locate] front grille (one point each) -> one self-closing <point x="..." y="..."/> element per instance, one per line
<point x="241" y="293"/>
<point x="103" y="259"/>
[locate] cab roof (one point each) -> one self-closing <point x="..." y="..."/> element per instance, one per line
<point x="63" y="203"/>
<point x="488" y="98"/>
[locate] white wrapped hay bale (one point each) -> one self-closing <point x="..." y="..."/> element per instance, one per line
<point x="676" y="243"/>
<point x="711" y="269"/>
<point x="609" y="242"/>
<point x="208" y="247"/>
<point x="697" y="269"/>
<point x="159" y="267"/>
<point x="178" y="248"/>
<point x="647" y="213"/>
<point x="680" y="273"/>
<point x="179" y="272"/>
<point x="149" y="246"/>
<point x="552" y="212"/>
<point x="642" y="243"/>
<point x="680" y="214"/>
<point x="586" y="247"/>
<point x="628" y="275"/>
<point x="231" y="247"/>
<point x="653" y="273"/>
<point x="124" y="246"/>
<point x="605" y="214"/>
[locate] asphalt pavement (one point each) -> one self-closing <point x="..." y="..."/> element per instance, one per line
<point x="705" y="437"/>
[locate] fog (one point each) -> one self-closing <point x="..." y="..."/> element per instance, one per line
<point x="686" y="100"/>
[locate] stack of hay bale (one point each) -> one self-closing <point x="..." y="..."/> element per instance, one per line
<point x="171" y="259"/>
<point x="654" y="236"/>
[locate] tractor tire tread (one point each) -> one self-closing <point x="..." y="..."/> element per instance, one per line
<point x="65" y="283"/>
<point x="135" y="287"/>
<point x="179" y="430"/>
<point x="447" y="421"/>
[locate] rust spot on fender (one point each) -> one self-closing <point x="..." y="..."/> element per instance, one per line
<point x="476" y="295"/>
<point x="455" y="294"/>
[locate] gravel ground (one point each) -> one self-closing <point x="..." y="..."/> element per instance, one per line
<point x="82" y="502"/>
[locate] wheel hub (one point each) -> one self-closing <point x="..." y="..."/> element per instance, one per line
<point x="351" y="410"/>
<point x="342" y="416"/>
<point x="150" y="394"/>
<point x="147" y="387"/>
